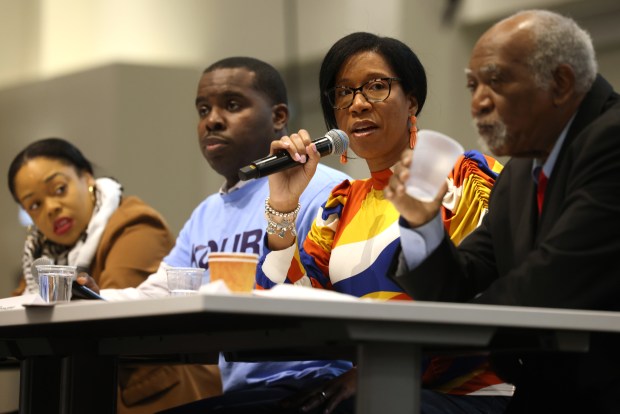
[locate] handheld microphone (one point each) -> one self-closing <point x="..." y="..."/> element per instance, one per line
<point x="334" y="142"/>
<point x="41" y="261"/>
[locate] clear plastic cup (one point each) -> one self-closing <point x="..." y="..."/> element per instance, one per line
<point x="184" y="281"/>
<point x="55" y="282"/>
<point x="434" y="157"/>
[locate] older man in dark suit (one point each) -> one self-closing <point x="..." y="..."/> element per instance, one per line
<point x="551" y="235"/>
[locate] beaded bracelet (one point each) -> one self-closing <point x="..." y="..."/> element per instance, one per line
<point x="285" y="223"/>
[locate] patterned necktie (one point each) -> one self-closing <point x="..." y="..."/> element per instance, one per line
<point x="540" y="191"/>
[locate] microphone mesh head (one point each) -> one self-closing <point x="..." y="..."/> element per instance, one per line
<point x="339" y="139"/>
<point x="39" y="262"/>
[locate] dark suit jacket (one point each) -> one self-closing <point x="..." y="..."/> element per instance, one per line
<point x="569" y="258"/>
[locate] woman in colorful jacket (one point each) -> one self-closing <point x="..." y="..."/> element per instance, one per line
<point x="373" y="88"/>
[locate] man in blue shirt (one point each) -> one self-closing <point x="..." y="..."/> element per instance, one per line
<point x="242" y="106"/>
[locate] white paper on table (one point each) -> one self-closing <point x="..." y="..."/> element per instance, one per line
<point x="283" y="291"/>
<point x="33" y="299"/>
<point x="288" y="291"/>
<point x="215" y="287"/>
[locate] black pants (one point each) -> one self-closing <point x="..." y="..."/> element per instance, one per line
<point x="267" y="401"/>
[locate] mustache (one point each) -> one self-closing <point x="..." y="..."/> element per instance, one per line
<point x="495" y="136"/>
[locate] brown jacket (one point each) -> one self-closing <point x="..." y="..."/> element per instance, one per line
<point x="134" y="242"/>
<point x="132" y="245"/>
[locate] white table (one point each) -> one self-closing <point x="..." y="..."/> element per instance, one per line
<point x="385" y="339"/>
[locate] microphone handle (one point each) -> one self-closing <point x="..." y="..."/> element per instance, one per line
<point x="267" y="165"/>
<point x="280" y="161"/>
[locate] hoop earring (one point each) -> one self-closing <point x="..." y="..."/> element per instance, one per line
<point x="413" y="131"/>
<point x="93" y="196"/>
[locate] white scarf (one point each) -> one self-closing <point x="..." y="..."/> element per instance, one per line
<point x="108" y="194"/>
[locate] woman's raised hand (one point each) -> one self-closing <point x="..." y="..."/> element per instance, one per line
<point x="416" y="212"/>
<point x="285" y="187"/>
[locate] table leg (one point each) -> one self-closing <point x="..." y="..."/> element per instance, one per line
<point x="39" y="385"/>
<point x="389" y="378"/>
<point x="88" y="384"/>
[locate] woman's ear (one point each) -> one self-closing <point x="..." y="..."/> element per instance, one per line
<point x="413" y="105"/>
<point x="88" y="177"/>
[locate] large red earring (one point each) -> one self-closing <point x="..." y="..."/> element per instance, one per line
<point x="343" y="158"/>
<point x="413" y="131"/>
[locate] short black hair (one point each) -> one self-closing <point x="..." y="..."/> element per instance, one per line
<point x="398" y="55"/>
<point x="268" y="79"/>
<point x="53" y="148"/>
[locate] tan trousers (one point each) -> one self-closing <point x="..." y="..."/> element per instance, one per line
<point x="152" y="388"/>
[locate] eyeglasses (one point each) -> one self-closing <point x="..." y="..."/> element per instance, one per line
<point x="375" y="90"/>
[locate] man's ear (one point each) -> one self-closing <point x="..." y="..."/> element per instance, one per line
<point x="563" y="85"/>
<point x="279" y="116"/>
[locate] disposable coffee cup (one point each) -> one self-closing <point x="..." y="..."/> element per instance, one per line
<point x="55" y="282"/>
<point x="184" y="281"/>
<point x="237" y="270"/>
<point x="433" y="158"/>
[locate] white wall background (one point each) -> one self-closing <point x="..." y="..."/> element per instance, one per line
<point x="118" y="78"/>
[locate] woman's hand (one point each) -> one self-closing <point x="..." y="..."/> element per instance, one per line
<point x="416" y="212"/>
<point x="85" y="280"/>
<point x="328" y="396"/>
<point x="286" y="187"/>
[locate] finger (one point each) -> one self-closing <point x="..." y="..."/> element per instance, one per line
<point x="404" y="163"/>
<point x="333" y="403"/>
<point x="282" y="144"/>
<point x="398" y="186"/>
<point x="331" y="398"/>
<point x="313" y="157"/>
<point x="403" y="177"/>
<point x="82" y="278"/>
<point x="287" y="143"/>
<point x="305" y="136"/>
<point x="85" y="280"/>
<point x="302" y="139"/>
<point x="390" y="190"/>
<point x="442" y="192"/>
<point x="406" y="158"/>
<point x="309" y="399"/>
<point x="299" y="142"/>
<point x="404" y="166"/>
<point x="314" y="401"/>
<point x="313" y="152"/>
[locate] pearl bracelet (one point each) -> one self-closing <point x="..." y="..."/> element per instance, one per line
<point x="280" y="223"/>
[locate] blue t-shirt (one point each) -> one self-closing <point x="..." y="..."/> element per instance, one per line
<point x="235" y="222"/>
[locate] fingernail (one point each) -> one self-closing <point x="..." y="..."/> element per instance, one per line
<point x="303" y="159"/>
<point x="297" y="157"/>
